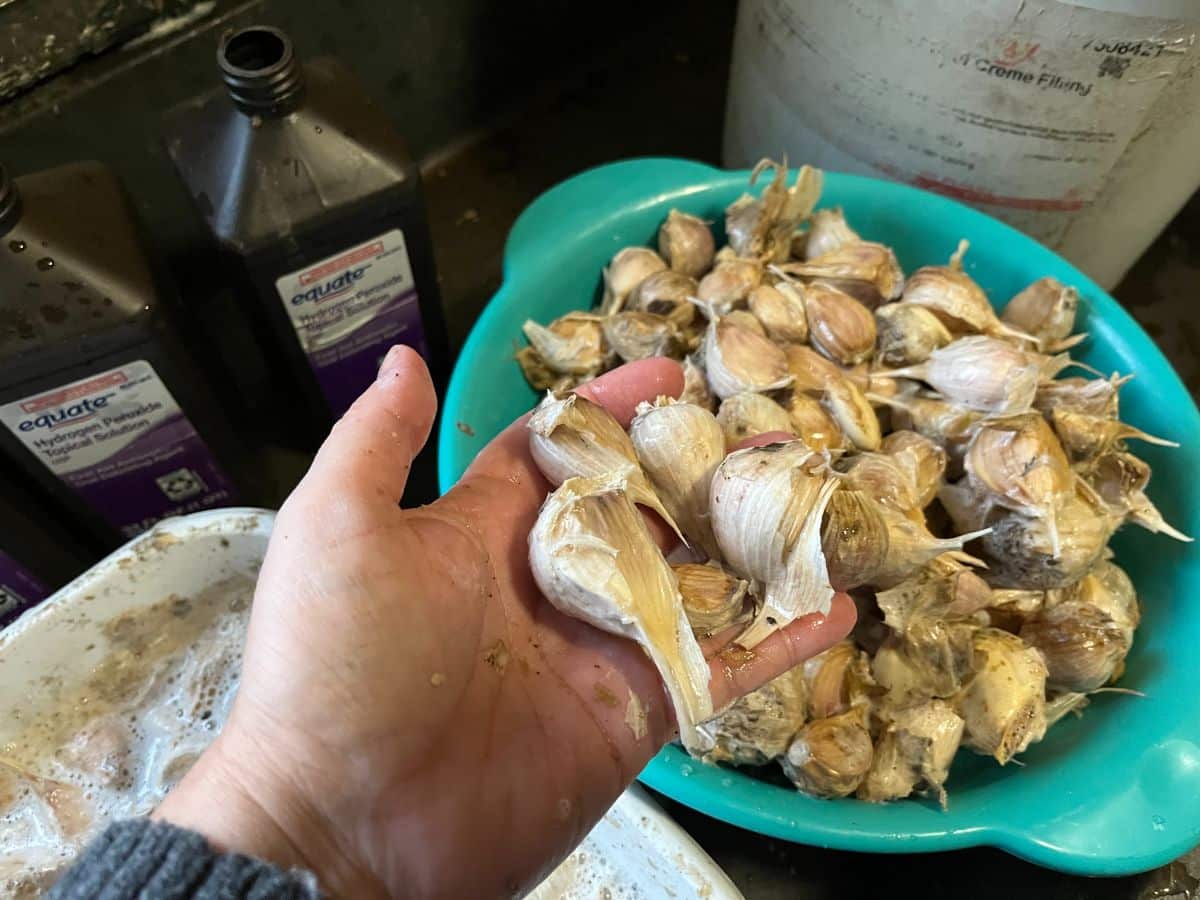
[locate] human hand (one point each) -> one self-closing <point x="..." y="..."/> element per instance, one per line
<point x="414" y="717"/>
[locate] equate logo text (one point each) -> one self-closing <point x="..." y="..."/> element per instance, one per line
<point x="71" y="414"/>
<point x="334" y="287"/>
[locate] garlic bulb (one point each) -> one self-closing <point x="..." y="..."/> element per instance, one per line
<point x="914" y="751"/>
<point x="862" y="261"/>
<point x="760" y="726"/>
<point x="828" y="231"/>
<point x="1004" y="702"/>
<point x="737" y="360"/>
<point x="1045" y="310"/>
<point x="695" y="384"/>
<point x="729" y="285"/>
<point x="641" y="335"/>
<point x="953" y="296"/>
<point x="839" y="326"/>
<point x="981" y="373"/>
<point x="830" y="757"/>
<point x="763" y="227"/>
<point x="571" y="345"/>
<point x="766" y="506"/>
<point x="837" y="679"/>
<point x="680" y="446"/>
<point x="809" y="369"/>
<point x="780" y="309"/>
<point x="629" y="268"/>
<point x="666" y="293"/>
<point x="594" y="558"/>
<point x="573" y="436"/>
<point x="922" y="460"/>
<point x="748" y="414"/>
<point x="812" y="423"/>
<point x="686" y="243"/>
<point x="1081" y="644"/>
<point x="908" y="334"/>
<point x="712" y="598"/>
<point x="853" y="413"/>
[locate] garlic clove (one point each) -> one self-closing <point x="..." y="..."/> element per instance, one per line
<point x="828" y="231"/>
<point x="572" y="436"/>
<point x="666" y="293"/>
<point x="854" y="539"/>
<point x="686" y="243"/>
<point x="745" y="319"/>
<point x="729" y="285"/>
<point x="853" y="413"/>
<point x="762" y="228"/>
<point x="641" y="335"/>
<point x="881" y="479"/>
<point x="1081" y="644"/>
<point x="760" y="726"/>
<point x="780" y="309"/>
<point x="712" y="598"/>
<point x="1094" y="397"/>
<point x="748" y="414"/>
<point x="571" y="345"/>
<point x="809" y="369"/>
<point x="1003" y="705"/>
<point x="695" y="384"/>
<point x="915" y="751"/>
<point x="812" y="423"/>
<point x="1046" y="311"/>
<point x="839" y="326"/>
<point x="1108" y="588"/>
<point x="540" y="376"/>
<point x="837" y="680"/>
<point x="910" y="546"/>
<point x="1086" y="437"/>
<point x="594" y="558"/>
<point x="1120" y="480"/>
<point x="629" y="268"/>
<point x="981" y="373"/>
<point x="766" y="507"/>
<point x="907" y="334"/>
<point x="922" y="459"/>
<point x="954" y="297"/>
<point x="736" y="360"/>
<point x="679" y="446"/>
<point x="830" y="757"/>
<point x="863" y="261"/>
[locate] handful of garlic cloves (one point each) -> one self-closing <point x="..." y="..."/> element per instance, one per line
<point x="940" y="467"/>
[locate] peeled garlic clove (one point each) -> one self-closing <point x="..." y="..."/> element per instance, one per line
<point x="837" y="679"/>
<point x="686" y="243"/>
<point x="573" y="436"/>
<point x="810" y="370"/>
<point x="766" y="507"/>
<point x="763" y="227"/>
<point x="736" y="360"/>
<point x="981" y="373"/>
<point x="1082" y="646"/>
<point x="680" y="446"/>
<point x="571" y="345"/>
<point x="863" y="261"/>
<point x="748" y="414"/>
<point x="812" y="423"/>
<point x="1086" y="437"/>
<point x="854" y="539"/>
<point x="853" y="413"/>
<point x="760" y="726"/>
<point x="908" y="334"/>
<point x="1045" y="310"/>
<point x="828" y="231"/>
<point x="839" y="326"/>
<point x="729" y="285"/>
<point x="1094" y="397"/>
<point x="666" y="294"/>
<point x="830" y="757"/>
<point x="712" y="598"/>
<point x="629" y="268"/>
<point x="1004" y="703"/>
<point x="639" y="335"/>
<point x="695" y="385"/>
<point x="914" y="751"/>
<point x="780" y="309"/>
<point x="921" y="458"/>
<point x="594" y="558"/>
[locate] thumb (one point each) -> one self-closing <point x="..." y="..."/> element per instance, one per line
<point x="370" y="450"/>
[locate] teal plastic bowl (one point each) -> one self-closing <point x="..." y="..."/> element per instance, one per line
<point x="1114" y="792"/>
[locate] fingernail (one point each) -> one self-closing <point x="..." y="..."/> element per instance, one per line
<point x="390" y="362"/>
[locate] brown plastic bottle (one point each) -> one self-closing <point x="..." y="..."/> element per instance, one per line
<point x="101" y="407"/>
<point x="317" y="206"/>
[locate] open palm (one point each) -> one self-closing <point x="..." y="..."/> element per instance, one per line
<point x="415" y="719"/>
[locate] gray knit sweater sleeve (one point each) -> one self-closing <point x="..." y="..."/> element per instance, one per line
<point x="155" y="861"/>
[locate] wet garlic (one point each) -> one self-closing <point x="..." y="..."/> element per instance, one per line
<point x="570" y="345"/>
<point x="666" y="293"/>
<point x="686" y="243"/>
<point x="883" y="479"/>
<point x="830" y="757"/>
<point x="809" y="369"/>
<point x="921" y="458"/>
<point x="981" y="373"/>
<point x="760" y="726"/>
<point x="953" y="296"/>
<point x="1120" y="479"/>
<point x="680" y="446"/>
<point x="573" y="436"/>
<point x="729" y="285"/>
<point x="1004" y="702"/>
<point x="780" y="309"/>
<point x="1045" y="310"/>
<point x="712" y="598"/>
<point x="839" y="326"/>
<point x="862" y="261"/>
<point x="748" y="414"/>
<point x="942" y="422"/>
<point x="594" y="559"/>
<point x="766" y="507"/>
<point x="854" y="539"/>
<point x="629" y="268"/>
<point x="837" y="679"/>
<point x="908" y="333"/>
<point x="828" y="231"/>
<point x="852" y="412"/>
<point x="762" y="227"/>
<point x="914" y="751"/>
<point x="1093" y="397"/>
<point x="695" y="384"/>
<point x="812" y="423"/>
<point x="1081" y="644"/>
<point x="737" y="360"/>
<point x="641" y="335"/>
<point x="1086" y="437"/>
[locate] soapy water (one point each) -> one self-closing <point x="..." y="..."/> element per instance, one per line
<point x="112" y="745"/>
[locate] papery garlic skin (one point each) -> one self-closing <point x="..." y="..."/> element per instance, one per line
<point x="629" y="268"/>
<point x="915" y="750"/>
<point x="828" y="231"/>
<point x="737" y="360"/>
<point x="594" y="558"/>
<point x="570" y="345"/>
<point x="712" y="598"/>
<point x="686" y="243"/>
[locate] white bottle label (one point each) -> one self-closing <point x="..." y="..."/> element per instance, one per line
<point x="349" y="308"/>
<point x="119" y="439"/>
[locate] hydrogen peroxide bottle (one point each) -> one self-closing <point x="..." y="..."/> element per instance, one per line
<point x="100" y="405"/>
<point x="316" y="204"/>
